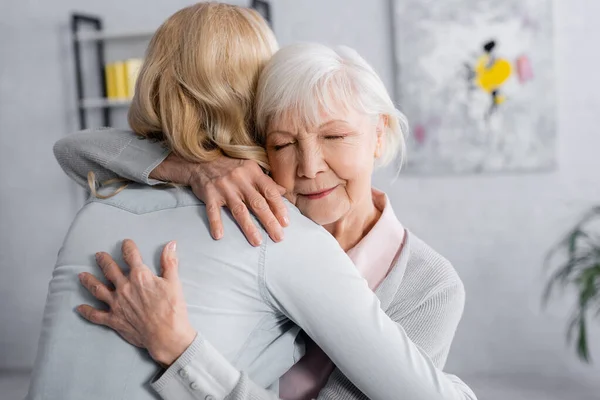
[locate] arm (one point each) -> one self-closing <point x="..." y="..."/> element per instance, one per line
<point x="241" y="185"/>
<point x="322" y="292"/>
<point x="431" y="326"/>
<point x="109" y="153"/>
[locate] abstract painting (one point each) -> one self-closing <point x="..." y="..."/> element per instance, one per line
<point x="476" y="80"/>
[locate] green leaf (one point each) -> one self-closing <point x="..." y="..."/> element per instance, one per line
<point x="582" y="345"/>
<point x="576" y="261"/>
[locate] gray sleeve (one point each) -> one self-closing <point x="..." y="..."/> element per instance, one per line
<point x="200" y="373"/>
<point x="109" y="153"/>
<point x="321" y="291"/>
<point x="432" y="325"/>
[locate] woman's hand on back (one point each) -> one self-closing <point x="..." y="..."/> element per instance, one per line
<point x="148" y="311"/>
<point x="239" y="185"/>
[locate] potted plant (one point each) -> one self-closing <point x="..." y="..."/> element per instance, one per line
<point x="575" y="262"/>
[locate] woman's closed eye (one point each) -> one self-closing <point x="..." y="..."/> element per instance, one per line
<point x="334" y="137"/>
<point x="278" y="147"/>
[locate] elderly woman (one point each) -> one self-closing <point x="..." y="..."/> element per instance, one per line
<point x="325" y="120"/>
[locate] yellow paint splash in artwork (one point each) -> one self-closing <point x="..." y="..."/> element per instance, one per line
<point x="491" y="77"/>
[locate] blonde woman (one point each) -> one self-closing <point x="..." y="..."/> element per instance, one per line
<point x="325" y="120"/>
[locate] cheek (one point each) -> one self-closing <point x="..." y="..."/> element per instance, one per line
<point x="282" y="169"/>
<point x="351" y="161"/>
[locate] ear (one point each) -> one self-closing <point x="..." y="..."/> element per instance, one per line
<point x="380" y="130"/>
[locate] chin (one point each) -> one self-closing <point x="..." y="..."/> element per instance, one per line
<point x="322" y="215"/>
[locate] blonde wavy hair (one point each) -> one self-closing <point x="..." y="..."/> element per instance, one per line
<point x="197" y="86"/>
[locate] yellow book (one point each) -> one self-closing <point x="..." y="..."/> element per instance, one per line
<point x="120" y="80"/>
<point x="132" y="69"/>
<point x="109" y="73"/>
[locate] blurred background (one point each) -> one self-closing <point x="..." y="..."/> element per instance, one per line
<point x="494" y="217"/>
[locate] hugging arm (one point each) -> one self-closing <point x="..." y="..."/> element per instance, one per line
<point x="323" y="293"/>
<point x="241" y="185"/>
<point x="109" y="153"/>
<point x="429" y="326"/>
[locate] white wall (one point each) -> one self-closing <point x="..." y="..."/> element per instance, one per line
<point x="494" y="229"/>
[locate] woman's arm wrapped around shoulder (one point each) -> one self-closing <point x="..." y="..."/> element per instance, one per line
<point x="240" y="185"/>
<point x="109" y="153"/>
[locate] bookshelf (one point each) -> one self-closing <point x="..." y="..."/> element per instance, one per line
<point x="88" y="30"/>
<point x="95" y="36"/>
<point x="92" y="103"/>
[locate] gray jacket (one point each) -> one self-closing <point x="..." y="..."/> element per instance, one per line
<point x="243" y="301"/>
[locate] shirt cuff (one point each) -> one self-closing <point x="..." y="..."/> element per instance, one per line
<point x="201" y="372"/>
<point x="137" y="160"/>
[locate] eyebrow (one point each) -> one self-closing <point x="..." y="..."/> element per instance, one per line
<point x="279" y="131"/>
<point x="332" y="122"/>
<point x="324" y="124"/>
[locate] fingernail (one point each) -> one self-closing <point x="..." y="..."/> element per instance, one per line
<point x="80" y="276"/>
<point x="279" y="236"/>
<point x="173" y="246"/>
<point x="98" y="255"/>
<point x="257" y="239"/>
<point x="286" y="220"/>
<point x="218" y="234"/>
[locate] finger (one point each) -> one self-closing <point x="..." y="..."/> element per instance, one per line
<point x="272" y="193"/>
<point x="131" y="254"/>
<point x="95" y="287"/>
<point x="213" y="213"/>
<point x="242" y="216"/>
<point x="110" y="269"/>
<point x="94" y="315"/>
<point x="260" y="208"/>
<point x="169" y="262"/>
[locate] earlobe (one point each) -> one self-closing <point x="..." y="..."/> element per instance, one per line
<point x="382" y="124"/>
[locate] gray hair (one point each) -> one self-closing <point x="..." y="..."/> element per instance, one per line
<point x="304" y="79"/>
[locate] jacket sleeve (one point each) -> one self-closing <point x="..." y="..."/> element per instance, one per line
<point x="438" y="316"/>
<point x="200" y="373"/>
<point x="109" y="153"/>
<point x="431" y="327"/>
<point x="322" y="292"/>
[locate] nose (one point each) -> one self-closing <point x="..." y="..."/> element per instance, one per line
<point x="310" y="159"/>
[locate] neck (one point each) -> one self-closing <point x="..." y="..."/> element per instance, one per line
<point x="352" y="227"/>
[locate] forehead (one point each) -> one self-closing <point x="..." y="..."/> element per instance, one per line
<point x="294" y="120"/>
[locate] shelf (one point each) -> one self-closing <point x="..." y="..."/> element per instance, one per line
<point x="101" y="103"/>
<point x="95" y="36"/>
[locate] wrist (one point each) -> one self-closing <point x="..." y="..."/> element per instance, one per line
<point x="174" y="169"/>
<point x="167" y="354"/>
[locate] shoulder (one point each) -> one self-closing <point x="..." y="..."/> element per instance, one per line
<point x="141" y="199"/>
<point x="305" y="244"/>
<point x="429" y="265"/>
<point x="428" y="275"/>
<point x="307" y="255"/>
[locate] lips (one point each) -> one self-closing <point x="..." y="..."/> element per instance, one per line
<point x="318" y="195"/>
